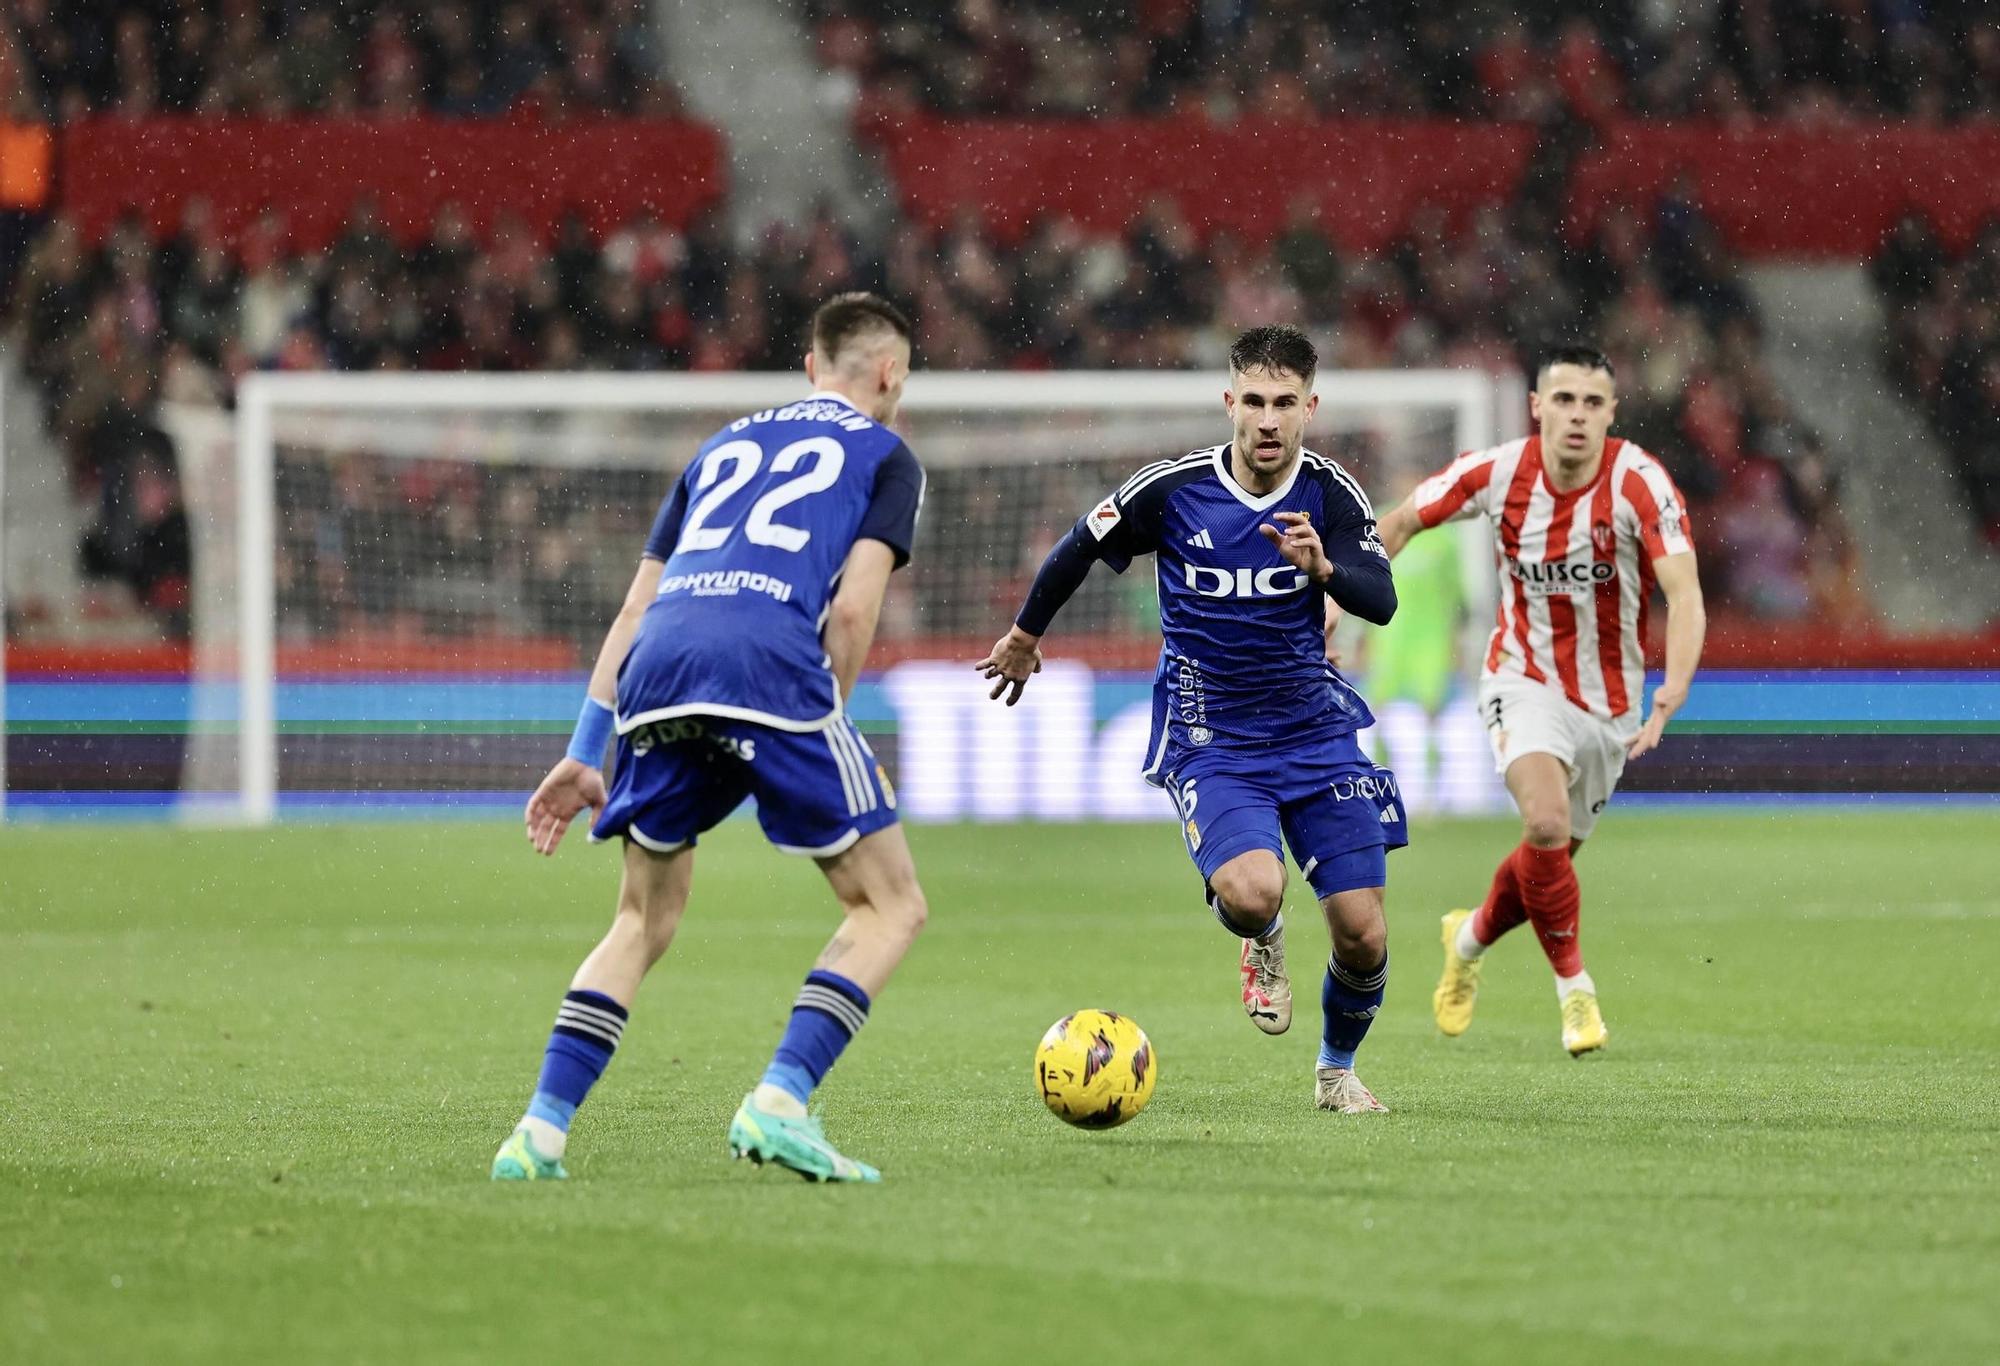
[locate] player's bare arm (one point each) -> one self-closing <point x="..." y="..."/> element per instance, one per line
<point x="1399" y="526"/>
<point x="856" y="609"/>
<point x="1687" y="623"/>
<point x="574" y="786"/>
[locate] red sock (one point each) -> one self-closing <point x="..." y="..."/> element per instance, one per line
<point x="1552" y="899"/>
<point x="1503" y="909"/>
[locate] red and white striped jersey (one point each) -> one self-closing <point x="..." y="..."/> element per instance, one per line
<point x="1576" y="569"/>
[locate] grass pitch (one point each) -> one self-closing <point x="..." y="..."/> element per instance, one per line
<point x="250" y="1084"/>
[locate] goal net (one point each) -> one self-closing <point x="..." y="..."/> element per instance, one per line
<point x="401" y="580"/>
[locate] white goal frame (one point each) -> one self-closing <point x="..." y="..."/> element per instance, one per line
<point x="1486" y="409"/>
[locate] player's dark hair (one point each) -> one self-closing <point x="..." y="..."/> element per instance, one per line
<point x="845" y="317"/>
<point x="1579" y="354"/>
<point x="1275" y="349"/>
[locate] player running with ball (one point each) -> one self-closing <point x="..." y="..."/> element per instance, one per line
<point x="1584" y="526"/>
<point x="1253" y="729"/>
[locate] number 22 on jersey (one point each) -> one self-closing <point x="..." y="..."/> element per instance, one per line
<point x="744" y="459"/>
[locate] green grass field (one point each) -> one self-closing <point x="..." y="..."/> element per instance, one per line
<point x="250" y="1084"/>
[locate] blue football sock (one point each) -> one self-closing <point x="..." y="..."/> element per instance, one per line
<point x="1349" y="1000"/>
<point x="588" y="1026"/>
<point x="829" y="1012"/>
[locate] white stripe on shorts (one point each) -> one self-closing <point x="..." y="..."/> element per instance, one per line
<point x="840" y="762"/>
<point x="851" y="739"/>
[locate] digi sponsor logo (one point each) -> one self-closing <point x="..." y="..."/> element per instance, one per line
<point x="1103" y="518"/>
<point x="1278" y="581"/>
<point x="1556" y="577"/>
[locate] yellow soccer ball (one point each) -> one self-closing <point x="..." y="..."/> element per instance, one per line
<point x="1095" y="1069"/>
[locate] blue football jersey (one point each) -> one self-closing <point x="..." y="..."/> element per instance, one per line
<point x="1243" y="658"/>
<point x="754" y="537"/>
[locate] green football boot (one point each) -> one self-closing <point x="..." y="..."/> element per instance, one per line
<point x="796" y="1144"/>
<point x="517" y="1160"/>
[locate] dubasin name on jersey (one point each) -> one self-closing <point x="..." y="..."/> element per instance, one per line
<point x="809" y="410"/>
<point x="1278" y="581"/>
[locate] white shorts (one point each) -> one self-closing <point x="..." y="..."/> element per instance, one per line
<point x="1525" y="717"/>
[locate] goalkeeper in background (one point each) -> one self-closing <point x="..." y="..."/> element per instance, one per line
<point x="1409" y="664"/>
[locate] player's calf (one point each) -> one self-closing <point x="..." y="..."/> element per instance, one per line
<point x="1357" y="972"/>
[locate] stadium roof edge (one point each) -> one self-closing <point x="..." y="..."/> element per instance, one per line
<point x="928" y="391"/>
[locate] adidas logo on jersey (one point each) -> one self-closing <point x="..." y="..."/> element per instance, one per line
<point x="1202" y="539"/>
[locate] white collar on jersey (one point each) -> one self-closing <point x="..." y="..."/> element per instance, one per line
<point x="1243" y="495"/>
<point x="837" y="398"/>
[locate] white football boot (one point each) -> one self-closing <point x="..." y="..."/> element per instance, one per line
<point x="1267" y="990"/>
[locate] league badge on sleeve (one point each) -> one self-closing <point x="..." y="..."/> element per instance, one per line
<point x="1103" y="518"/>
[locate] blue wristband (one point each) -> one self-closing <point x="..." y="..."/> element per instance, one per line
<point x="592" y="734"/>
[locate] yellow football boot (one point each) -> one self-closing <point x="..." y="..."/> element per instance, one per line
<point x="1583" y="1024"/>
<point x="1452" y="1002"/>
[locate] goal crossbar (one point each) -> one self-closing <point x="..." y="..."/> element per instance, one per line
<point x="1484" y="408"/>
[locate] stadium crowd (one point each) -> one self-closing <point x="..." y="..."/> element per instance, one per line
<point x="1724" y="59"/>
<point x="1944" y="347"/>
<point x="380" y="58"/>
<point x="110" y="328"/>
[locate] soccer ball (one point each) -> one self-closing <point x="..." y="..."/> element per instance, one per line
<point x="1095" y="1069"/>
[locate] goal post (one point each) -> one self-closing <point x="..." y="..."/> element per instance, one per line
<point x="1013" y="458"/>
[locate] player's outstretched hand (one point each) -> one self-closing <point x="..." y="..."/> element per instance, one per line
<point x="1299" y="544"/>
<point x="1666" y="702"/>
<point x="1015" y="658"/>
<point x="571" y="787"/>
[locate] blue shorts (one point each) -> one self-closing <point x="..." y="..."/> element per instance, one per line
<point x="1340" y="813"/>
<point x="817" y="791"/>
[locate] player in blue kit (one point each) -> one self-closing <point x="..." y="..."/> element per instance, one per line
<point x="725" y="676"/>
<point x="1253" y="728"/>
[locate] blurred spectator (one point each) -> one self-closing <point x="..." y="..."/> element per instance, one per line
<point x="395" y="58"/>
<point x="1944" y="347"/>
<point x="1803" y="59"/>
<point x="647" y="296"/>
<point x="100" y="321"/>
